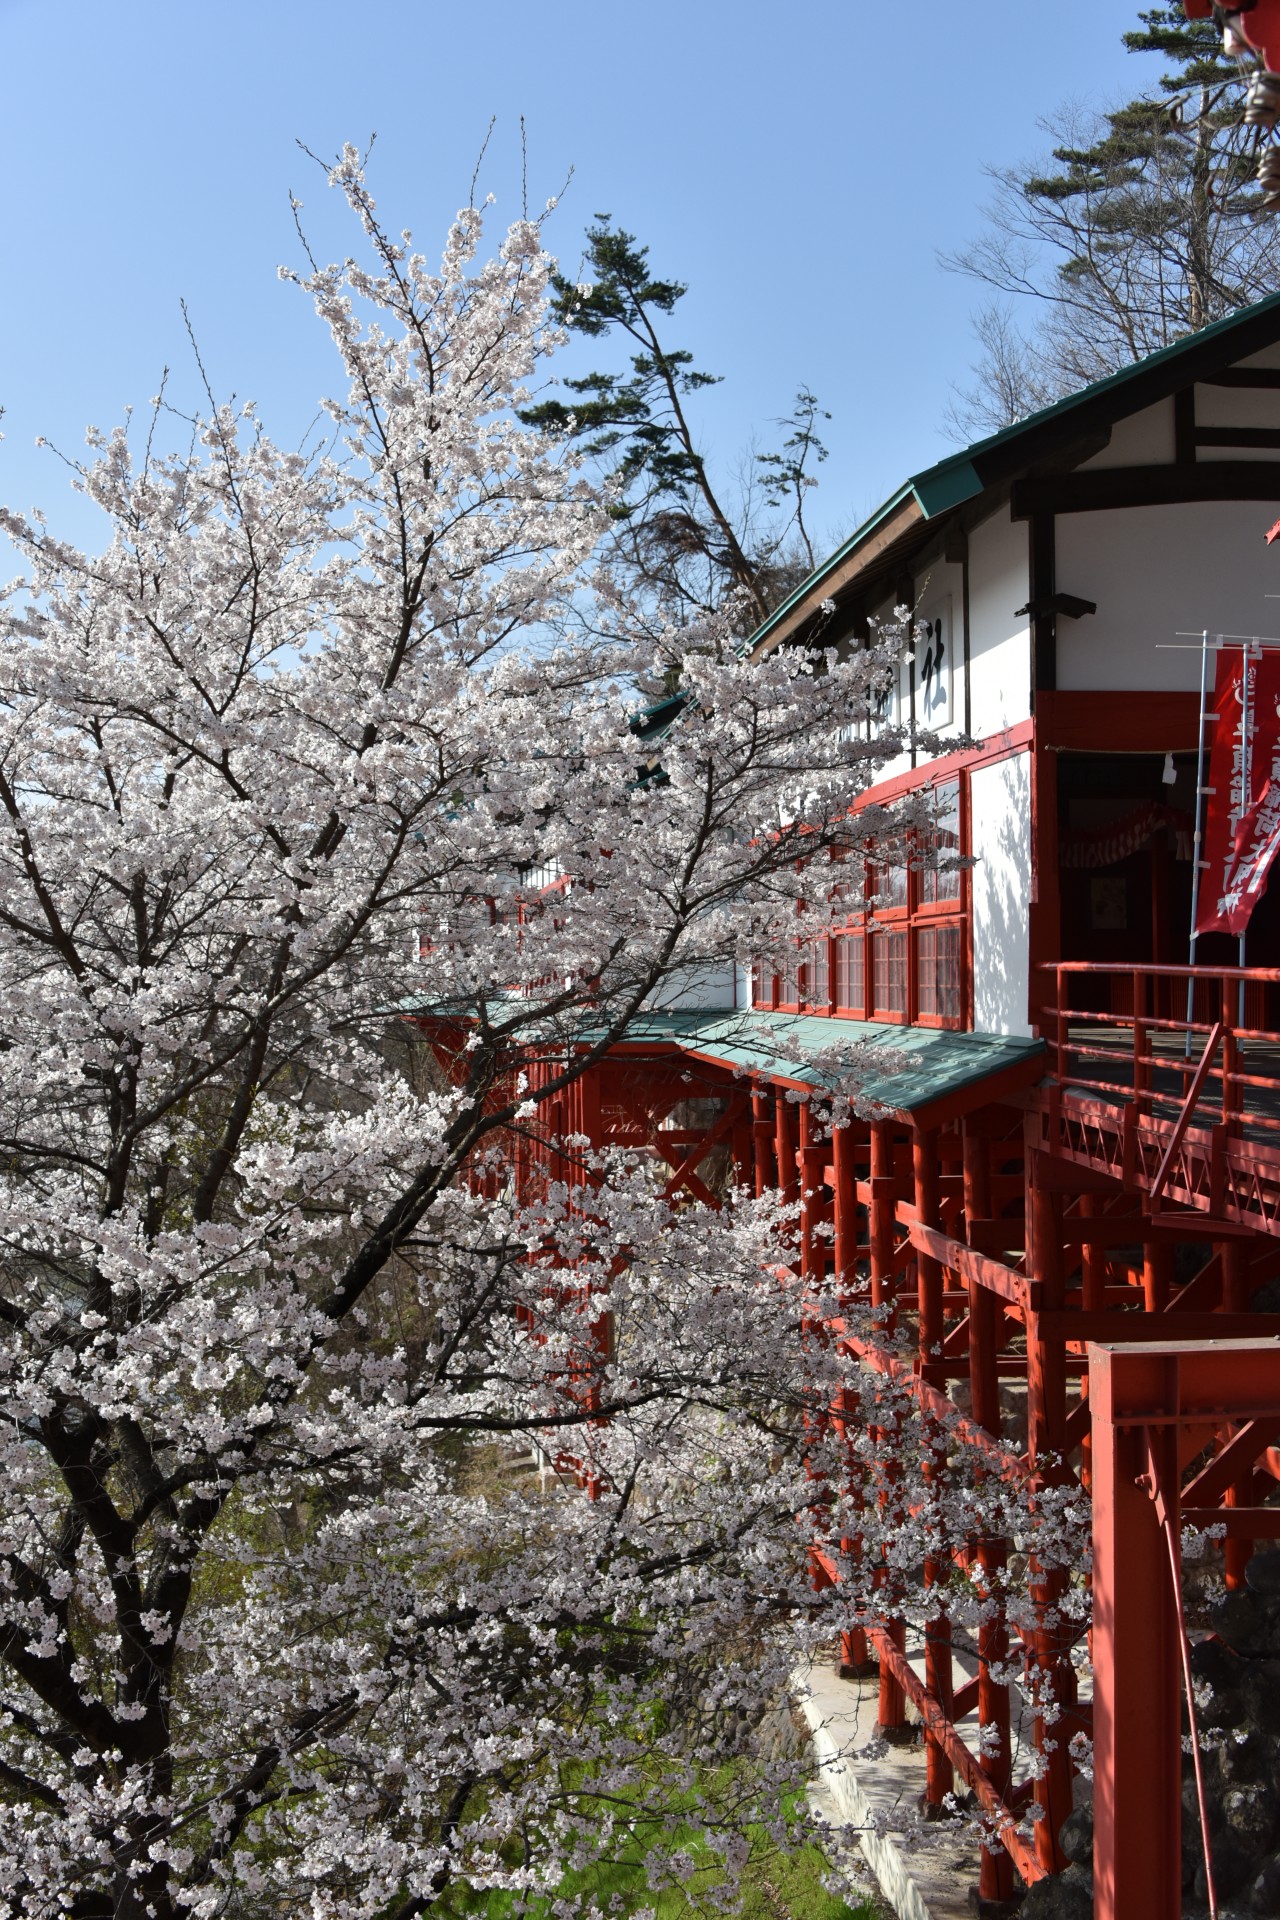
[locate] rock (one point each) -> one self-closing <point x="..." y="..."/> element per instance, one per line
<point x="1075" y="1837"/>
<point x="1264" y="1888"/>
<point x="1244" y="1756"/>
<point x="1250" y="1814"/>
<point x="1262" y="1575"/>
<point x="1245" y="1621"/>
<point x="1066" y="1896"/>
<point x="994" y="1909"/>
<point x="1232" y="1864"/>
<point x="1224" y="1710"/>
<point x="1216" y="1664"/>
<point x="777" y="1737"/>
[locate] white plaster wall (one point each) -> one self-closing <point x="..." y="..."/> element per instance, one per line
<point x="1265" y="357"/>
<point x="1144" y="439"/>
<point x="899" y="762"/>
<point x="1237" y="407"/>
<point x="1000" y="797"/>
<point x="942" y="581"/>
<point x="1155" y="571"/>
<point x="999" y="639"/>
<point x="696" y="990"/>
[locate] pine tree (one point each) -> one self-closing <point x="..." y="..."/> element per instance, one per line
<point x="1143" y="225"/>
<point x="676" y="532"/>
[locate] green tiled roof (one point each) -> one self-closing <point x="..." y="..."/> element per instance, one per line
<point x="921" y="1066"/>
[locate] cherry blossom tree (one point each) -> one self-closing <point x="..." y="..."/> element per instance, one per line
<point x="290" y="757"/>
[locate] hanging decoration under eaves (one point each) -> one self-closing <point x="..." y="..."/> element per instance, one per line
<point x="1104" y="846"/>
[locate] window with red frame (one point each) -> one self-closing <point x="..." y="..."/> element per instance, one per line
<point x="904" y="958"/>
<point x="851" y="973"/>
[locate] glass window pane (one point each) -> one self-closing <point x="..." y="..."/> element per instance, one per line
<point x="850" y="973"/>
<point x="891" y="879"/>
<point x="821" y="987"/>
<point x="938" y="972"/>
<point x="889" y="973"/>
<point x="945" y="884"/>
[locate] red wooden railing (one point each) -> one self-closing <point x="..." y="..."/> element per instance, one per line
<point x="1186" y="1109"/>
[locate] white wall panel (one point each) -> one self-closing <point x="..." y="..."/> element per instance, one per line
<point x="999" y="638"/>
<point x="696" y="990"/>
<point x="1143" y="440"/>
<point x="1154" y="571"/>
<point x="1000" y="797"/>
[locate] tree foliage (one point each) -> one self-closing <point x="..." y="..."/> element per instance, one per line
<point x="288" y="767"/>
<point x="1141" y="225"/>
<point x="675" y="533"/>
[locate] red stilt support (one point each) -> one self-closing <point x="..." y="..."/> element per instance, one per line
<point x="984" y="1315"/>
<point x="784" y="1120"/>
<point x="939" y="1775"/>
<point x="924" y="1159"/>
<point x="995" y="1872"/>
<point x="811" y="1156"/>
<point x="845" y="1207"/>
<point x="1137" y="1743"/>
<point x="762" y="1135"/>
<point x="1046" y="1440"/>
<point x="1156" y="1266"/>
<point x="1235" y="1299"/>
<point x="892" y="1708"/>
<point x="882" y="1214"/>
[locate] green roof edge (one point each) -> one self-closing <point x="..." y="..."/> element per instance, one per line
<point x="950" y="482"/>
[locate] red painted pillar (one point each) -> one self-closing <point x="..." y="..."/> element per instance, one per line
<point x="1235" y="1299"/>
<point x="762" y="1131"/>
<point x="1093" y="1299"/>
<point x="1137" y="1744"/>
<point x="995" y="1872"/>
<point x="845" y="1207"/>
<point x="924" y="1160"/>
<point x="892" y="1711"/>
<point x="743" y="1141"/>
<point x="853" y="1646"/>
<point x="809" y="1157"/>
<point x="939" y="1774"/>
<point x="882" y="1214"/>
<point x="1156" y="1269"/>
<point x="984" y="1313"/>
<point x="1046" y="1423"/>
<point x="784" y="1120"/>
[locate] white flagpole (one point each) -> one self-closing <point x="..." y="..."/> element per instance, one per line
<point x="1246" y="798"/>
<point x="1197" y="837"/>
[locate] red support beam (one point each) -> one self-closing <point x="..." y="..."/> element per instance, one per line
<point x="844" y="1187"/>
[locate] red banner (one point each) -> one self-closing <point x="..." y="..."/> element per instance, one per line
<point x="1243" y="810"/>
<point x="1257" y="842"/>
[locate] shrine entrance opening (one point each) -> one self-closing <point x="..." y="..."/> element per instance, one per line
<point x="1124" y="877"/>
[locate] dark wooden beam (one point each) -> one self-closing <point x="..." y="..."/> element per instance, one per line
<point x="1044" y="619"/>
<point x="1109" y="487"/>
<point x="1237" y="436"/>
<point x="1244" y="377"/>
<point x="1184" y="426"/>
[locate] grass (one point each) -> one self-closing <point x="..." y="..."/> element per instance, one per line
<point x="774" y="1885"/>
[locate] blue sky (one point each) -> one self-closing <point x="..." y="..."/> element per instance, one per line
<point x="799" y="163"/>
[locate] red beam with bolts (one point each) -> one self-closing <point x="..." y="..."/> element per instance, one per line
<point x="1141" y="1396"/>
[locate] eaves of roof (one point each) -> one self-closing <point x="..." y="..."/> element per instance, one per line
<point x="908" y="1071"/>
<point x="990" y="463"/>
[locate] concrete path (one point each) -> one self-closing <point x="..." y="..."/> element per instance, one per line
<point x="924" y="1873"/>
